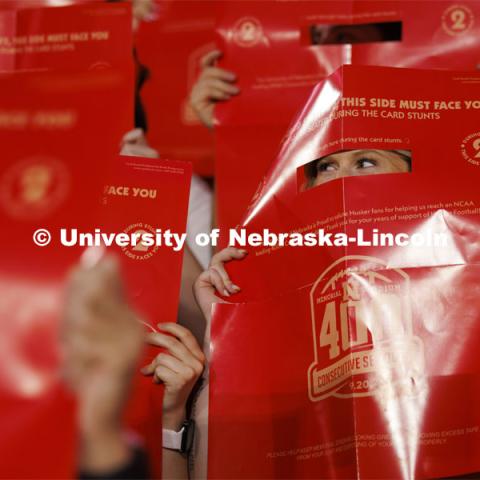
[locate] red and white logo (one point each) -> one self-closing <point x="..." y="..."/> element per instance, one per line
<point x="457" y="19"/>
<point x="34" y="188"/>
<point x="470" y="148"/>
<point x="141" y="250"/>
<point x="364" y="342"/>
<point x="247" y="32"/>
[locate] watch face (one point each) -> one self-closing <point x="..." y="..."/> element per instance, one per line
<point x="188" y="436"/>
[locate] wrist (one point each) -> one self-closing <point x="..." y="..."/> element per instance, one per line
<point x="100" y="432"/>
<point x="103" y="451"/>
<point x="174" y="419"/>
<point x="100" y="407"/>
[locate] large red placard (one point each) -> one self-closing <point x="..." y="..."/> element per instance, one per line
<point x="273" y="53"/>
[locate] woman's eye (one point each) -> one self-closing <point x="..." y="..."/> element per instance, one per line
<point x="325" y="167"/>
<point x="366" y="163"/>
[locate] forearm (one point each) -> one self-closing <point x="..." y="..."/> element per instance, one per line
<point x="189" y="314"/>
<point x="174" y="465"/>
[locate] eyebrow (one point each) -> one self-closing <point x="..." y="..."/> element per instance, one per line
<point x="357" y="152"/>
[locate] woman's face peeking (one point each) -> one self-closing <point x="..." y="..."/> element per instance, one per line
<point x="356" y="162"/>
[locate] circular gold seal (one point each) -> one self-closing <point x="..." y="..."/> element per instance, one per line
<point x="144" y="249"/>
<point x="33" y="188"/>
<point x="470" y="148"/>
<point x="247" y="32"/>
<point x="457" y="19"/>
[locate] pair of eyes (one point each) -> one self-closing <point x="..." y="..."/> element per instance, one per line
<point x="331" y="166"/>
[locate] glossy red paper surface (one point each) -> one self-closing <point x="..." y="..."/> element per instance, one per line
<point x="277" y="69"/>
<point x="85" y="35"/>
<point x="439" y="190"/>
<point x="170" y="45"/>
<point x="398" y="323"/>
<point x="143" y="195"/>
<point x="417" y="423"/>
<point x="55" y="138"/>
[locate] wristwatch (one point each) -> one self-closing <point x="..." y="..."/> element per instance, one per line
<point x="181" y="441"/>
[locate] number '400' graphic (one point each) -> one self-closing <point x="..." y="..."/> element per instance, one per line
<point x="362" y="330"/>
<point x="356" y="322"/>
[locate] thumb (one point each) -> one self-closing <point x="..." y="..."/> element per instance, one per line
<point x="204" y="293"/>
<point x="210" y="58"/>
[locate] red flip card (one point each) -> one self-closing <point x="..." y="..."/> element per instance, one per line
<point x="422" y="108"/>
<point x="55" y="137"/>
<point x="368" y="373"/>
<point x="357" y="360"/>
<point x="170" y="45"/>
<point x="148" y="196"/>
<point x="280" y="53"/>
<point x="88" y="35"/>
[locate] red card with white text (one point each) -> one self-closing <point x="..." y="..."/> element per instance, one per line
<point x="55" y="138"/>
<point x="368" y="373"/>
<point x="280" y="53"/>
<point x="171" y="44"/>
<point x="357" y="359"/>
<point x="88" y="35"/>
<point x="428" y="115"/>
<point x="147" y="196"/>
